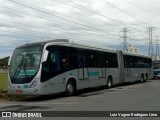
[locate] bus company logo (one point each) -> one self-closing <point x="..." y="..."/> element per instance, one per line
<point x="6" y="114"/>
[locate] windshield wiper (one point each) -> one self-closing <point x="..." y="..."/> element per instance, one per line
<point x="24" y="66"/>
<point x="17" y="71"/>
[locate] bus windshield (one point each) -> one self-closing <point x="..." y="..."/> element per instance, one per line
<point x="24" y="64"/>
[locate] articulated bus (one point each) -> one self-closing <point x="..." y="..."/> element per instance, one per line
<point x="62" y="65"/>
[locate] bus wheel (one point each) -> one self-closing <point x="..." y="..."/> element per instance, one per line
<point x="142" y="79"/>
<point x="70" y="88"/>
<point x="146" y="77"/>
<point x="109" y="82"/>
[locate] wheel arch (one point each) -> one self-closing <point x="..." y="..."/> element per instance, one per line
<point x="146" y="76"/>
<point x="73" y="79"/>
<point x="111" y="77"/>
<point x="142" y="75"/>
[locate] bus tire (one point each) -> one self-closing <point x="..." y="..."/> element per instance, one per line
<point x="109" y="82"/>
<point x="70" y="88"/>
<point x="142" y="78"/>
<point x="146" y="77"/>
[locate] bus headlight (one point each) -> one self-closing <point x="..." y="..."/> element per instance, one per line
<point x="34" y="83"/>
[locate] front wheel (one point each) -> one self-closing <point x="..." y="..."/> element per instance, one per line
<point x="70" y="88"/>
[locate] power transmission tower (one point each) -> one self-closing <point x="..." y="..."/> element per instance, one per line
<point x="150" y="41"/>
<point x="125" y="38"/>
<point x="157" y="47"/>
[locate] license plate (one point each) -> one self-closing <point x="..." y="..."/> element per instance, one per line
<point x="18" y="91"/>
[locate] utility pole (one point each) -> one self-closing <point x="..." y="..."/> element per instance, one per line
<point x="125" y="38"/>
<point x="150" y="41"/>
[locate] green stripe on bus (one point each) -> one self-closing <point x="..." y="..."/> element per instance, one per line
<point x="93" y="73"/>
<point x="25" y="86"/>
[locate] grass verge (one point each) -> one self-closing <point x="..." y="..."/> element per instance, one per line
<point x="4" y="96"/>
<point x="3" y="81"/>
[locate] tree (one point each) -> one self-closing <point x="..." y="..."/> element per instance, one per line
<point x="4" y="62"/>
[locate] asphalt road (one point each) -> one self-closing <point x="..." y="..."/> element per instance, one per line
<point x="129" y="97"/>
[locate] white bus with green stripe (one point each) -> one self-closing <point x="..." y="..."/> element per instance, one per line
<point x="62" y="65"/>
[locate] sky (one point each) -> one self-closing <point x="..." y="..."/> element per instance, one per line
<point x="95" y="21"/>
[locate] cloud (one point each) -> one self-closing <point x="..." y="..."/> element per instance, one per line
<point x="96" y="21"/>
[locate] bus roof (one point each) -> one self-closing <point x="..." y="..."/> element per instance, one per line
<point x="135" y="54"/>
<point x="73" y="43"/>
<point x="42" y="43"/>
<point x="77" y="43"/>
<point x="156" y="61"/>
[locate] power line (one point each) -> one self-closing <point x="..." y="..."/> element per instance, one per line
<point x="52" y="20"/>
<point x="142" y="19"/>
<point x="39" y="34"/>
<point x="43" y="18"/>
<point x="139" y="7"/>
<point x="83" y="26"/>
<point x="113" y="34"/>
<point x="89" y="10"/>
<point x="108" y="3"/>
<point x="47" y="19"/>
<point x="92" y="11"/>
<point x="126" y="12"/>
<point x="81" y="8"/>
<point x="38" y="27"/>
<point x="50" y="37"/>
<point x="61" y="17"/>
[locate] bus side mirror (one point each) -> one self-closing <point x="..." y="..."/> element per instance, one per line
<point x="45" y="55"/>
<point x="9" y="61"/>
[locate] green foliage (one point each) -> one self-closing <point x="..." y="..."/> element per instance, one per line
<point x="4" y="62"/>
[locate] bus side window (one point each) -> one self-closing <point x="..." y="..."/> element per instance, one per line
<point x="111" y="60"/>
<point x="54" y="62"/>
<point x="92" y="58"/>
<point x="101" y="61"/>
<point x="81" y="59"/>
<point x="65" y="62"/>
<point x="46" y="65"/>
<point x="68" y="58"/>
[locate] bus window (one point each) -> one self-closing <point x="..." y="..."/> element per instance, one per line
<point x="55" y="62"/>
<point x="52" y="66"/>
<point x="68" y="58"/>
<point x="81" y="59"/>
<point x="65" y="62"/>
<point x="92" y="58"/>
<point x="111" y="60"/>
<point x="101" y="62"/>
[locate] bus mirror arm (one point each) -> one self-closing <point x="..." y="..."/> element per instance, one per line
<point x="45" y="56"/>
<point x="9" y="61"/>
